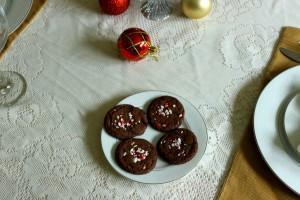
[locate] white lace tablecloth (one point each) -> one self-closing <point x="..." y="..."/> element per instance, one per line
<point x="50" y="140"/>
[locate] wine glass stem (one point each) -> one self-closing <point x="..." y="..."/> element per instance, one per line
<point x="4" y="87"/>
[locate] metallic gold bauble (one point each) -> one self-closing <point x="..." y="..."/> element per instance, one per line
<point x="196" y="9"/>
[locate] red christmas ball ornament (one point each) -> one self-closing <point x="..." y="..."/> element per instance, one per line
<point x="114" y="7"/>
<point x="135" y="44"/>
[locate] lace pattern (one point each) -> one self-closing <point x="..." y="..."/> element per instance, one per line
<point x="50" y="142"/>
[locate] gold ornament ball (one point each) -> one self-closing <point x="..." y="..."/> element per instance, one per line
<point x="196" y="9"/>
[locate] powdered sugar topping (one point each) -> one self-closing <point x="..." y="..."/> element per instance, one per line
<point x="177" y="143"/>
<point x="164" y="110"/>
<point x="181" y="153"/>
<point x="125" y="122"/>
<point x="138" y="154"/>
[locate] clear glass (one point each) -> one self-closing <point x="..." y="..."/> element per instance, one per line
<point x="156" y="9"/>
<point x="12" y="84"/>
<point x="3" y="3"/>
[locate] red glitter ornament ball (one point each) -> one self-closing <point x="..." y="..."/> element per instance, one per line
<point x="135" y="44"/>
<point x="114" y="7"/>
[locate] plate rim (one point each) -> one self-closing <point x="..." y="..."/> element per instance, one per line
<point x="12" y="28"/>
<point x="181" y="176"/>
<point x="262" y="153"/>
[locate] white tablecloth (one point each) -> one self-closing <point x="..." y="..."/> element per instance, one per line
<point x="50" y="140"/>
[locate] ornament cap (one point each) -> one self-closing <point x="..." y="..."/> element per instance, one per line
<point x="153" y="51"/>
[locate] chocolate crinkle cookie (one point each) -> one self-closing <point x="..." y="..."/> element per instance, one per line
<point x="178" y="146"/>
<point x="165" y="113"/>
<point x="125" y="121"/>
<point x="137" y="156"/>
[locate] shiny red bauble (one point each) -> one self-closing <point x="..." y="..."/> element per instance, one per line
<point x="114" y="7"/>
<point x="135" y="44"/>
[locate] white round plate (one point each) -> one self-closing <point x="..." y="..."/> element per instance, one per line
<point x="16" y="11"/>
<point x="268" y="123"/>
<point x="163" y="172"/>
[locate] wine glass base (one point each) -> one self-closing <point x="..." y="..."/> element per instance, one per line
<point x="12" y="87"/>
<point x="156" y="11"/>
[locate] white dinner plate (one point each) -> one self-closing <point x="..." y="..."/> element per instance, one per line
<point x="16" y="11"/>
<point x="163" y="172"/>
<point x="268" y="123"/>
